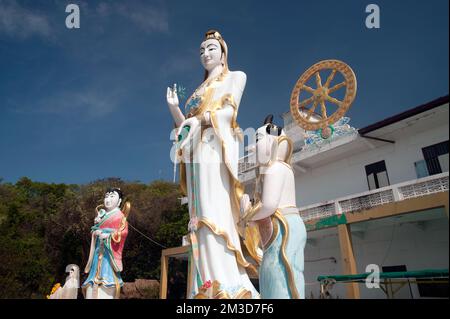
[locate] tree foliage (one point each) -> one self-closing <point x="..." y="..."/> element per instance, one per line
<point x="44" y="227"/>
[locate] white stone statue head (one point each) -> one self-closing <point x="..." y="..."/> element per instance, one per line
<point x="113" y="198"/>
<point x="213" y="52"/>
<point x="72" y="281"/>
<point x="272" y="144"/>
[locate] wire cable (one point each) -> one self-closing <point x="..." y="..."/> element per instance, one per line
<point x="142" y="234"/>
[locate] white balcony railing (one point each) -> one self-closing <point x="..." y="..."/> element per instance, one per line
<point x="362" y="201"/>
<point x="246" y="168"/>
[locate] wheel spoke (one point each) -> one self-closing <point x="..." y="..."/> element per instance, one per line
<point x="330" y="78"/>
<point x="334" y="101"/>
<point x="337" y="87"/>
<point x="323" y="109"/>
<point x="311" y="110"/>
<point x="308" y="88"/>
<point x="318" y="80"/>
<point x="306" y="102"/>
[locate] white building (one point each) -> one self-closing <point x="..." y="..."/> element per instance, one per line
<point x="376" y="195"/>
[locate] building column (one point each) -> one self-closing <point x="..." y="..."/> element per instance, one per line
<point x="163" y="277"/>
<point x="189" y="282"/>
<point x="348" y="259"/>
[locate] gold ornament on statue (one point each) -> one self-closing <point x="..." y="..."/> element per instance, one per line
<point x="303" y="110"/>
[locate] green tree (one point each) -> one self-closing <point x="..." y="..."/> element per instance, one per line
<point x="44" y="227"/>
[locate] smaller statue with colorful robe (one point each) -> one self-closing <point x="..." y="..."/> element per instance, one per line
<point x="105" y="258"/>
<point x="282" y="231"/>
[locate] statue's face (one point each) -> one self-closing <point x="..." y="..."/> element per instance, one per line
<point x="264" y="143"/>
<point x="210" y="54"/>
<point x="112" y="200"/>
<point x="72" y="270"/>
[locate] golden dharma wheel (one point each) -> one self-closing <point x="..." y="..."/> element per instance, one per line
<point x="303" y="111"/>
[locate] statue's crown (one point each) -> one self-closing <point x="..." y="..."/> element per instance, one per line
<point x="213" y="34"/>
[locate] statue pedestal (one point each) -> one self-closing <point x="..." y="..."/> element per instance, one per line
<point x="100" y="292"/>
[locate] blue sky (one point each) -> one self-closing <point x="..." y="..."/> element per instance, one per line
<point x="79" y="105"/>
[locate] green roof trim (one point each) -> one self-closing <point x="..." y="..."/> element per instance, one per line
<point x="326" y="222"/>
<point x="427" y="273"/>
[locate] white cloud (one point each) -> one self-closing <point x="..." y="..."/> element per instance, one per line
<point x="104" y="9"/>
<point x="89" y="103"/>
<point x="80" y="104"/>
<point x="17" y="21"/>
<point x="148" y="17"/>
<point x="181" y="63"/>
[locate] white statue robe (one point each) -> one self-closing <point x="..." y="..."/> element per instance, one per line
<point x="69" y="290"/>
<point x="217" y="267"/>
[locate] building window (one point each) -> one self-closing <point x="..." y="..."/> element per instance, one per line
<point x="436" y="157"/>
<point x="421" y="169"/>
<point x="377" y="176"/>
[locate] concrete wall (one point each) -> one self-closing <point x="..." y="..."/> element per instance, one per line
<point x="384" y="245"/>
<point x="347" y="176"/>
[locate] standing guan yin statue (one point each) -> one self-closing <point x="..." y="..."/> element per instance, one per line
<point x="209" y="154"/>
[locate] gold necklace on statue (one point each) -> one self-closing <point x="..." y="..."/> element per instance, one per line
<point x="197" y="100"/>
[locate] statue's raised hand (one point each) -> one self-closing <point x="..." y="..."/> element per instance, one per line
<point x="172" y="97"/>
<point x="173" y="102"/>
